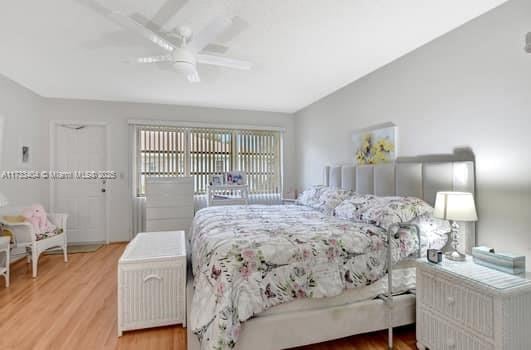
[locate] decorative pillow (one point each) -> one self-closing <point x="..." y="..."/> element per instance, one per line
<point x="310" y="196"/>
<point x="433" y="231"/>
<point x="352" y="207"/>
<point x="385" y="211"/>
<point x="56" y="231"/>
<point x="330" y="198"/>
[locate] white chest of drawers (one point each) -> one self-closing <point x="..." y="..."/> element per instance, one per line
<point x="169" y="203"/>
<point x="464" y="306"/>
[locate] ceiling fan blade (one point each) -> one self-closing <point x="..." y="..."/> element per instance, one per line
<point x="166" y="12"/>
<point x="193" y="77"/>
<point x="208" y="34"/>
<point x="215" y="49"/>
<point x="238" y="25"/>
<point x="127" y="22"/>
<point x="176" y="42"/>
<point x="224" y="61"/>
<point x="152" y="59"/>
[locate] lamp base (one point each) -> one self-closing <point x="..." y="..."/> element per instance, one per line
<point x="455" y="256"/>
<point x="452" y="253"/>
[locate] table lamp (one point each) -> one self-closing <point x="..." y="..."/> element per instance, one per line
<point x="455" y="206"/>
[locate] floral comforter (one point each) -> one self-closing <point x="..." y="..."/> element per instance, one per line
<point x="247" y="259"/>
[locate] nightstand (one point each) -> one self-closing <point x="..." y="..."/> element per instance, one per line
<point x="464" y="306"/>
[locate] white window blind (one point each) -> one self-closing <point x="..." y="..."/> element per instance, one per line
<point x="258" y="156"/>
<point x="202" y="152"/>
<point x="160" y="152"/>
<point x="210" y="153"/>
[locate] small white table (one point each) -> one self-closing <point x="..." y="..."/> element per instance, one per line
<point x="462" y="305"/>
<point x="227" y="195"/>
<point x="152" y="281"/>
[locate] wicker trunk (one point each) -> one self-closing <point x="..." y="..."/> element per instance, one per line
<point x="152" y="281"/>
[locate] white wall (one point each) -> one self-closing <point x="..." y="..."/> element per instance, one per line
<point x="28" y="117"/>
<point x="469" y="88"/>
<point x="24" y="124"/>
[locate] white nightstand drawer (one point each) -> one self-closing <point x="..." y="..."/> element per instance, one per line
<point x="461" y="304"/>
<point x="437" y="334"/>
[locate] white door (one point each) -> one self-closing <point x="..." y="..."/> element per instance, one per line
<point x="81" y="148"/>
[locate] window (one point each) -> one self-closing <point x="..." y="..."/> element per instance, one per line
<point x="160" y="152"/>
<point x="258" y="156"/>
<point x="202" y="152"/>
<point x="210" y="153"/>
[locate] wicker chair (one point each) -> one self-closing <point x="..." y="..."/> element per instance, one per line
<point x="4" y="259"/>
<point x="36" y="243"/>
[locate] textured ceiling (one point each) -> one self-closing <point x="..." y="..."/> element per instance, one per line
<point x="302" y="49"/>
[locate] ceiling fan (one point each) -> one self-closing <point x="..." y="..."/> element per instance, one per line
<point x="184" y="48"/>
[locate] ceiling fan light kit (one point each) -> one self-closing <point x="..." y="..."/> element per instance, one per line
<point x="184" y="55"/>
<point x="184" y="61"/>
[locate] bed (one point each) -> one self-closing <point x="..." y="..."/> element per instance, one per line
<point x="281" y="316"/>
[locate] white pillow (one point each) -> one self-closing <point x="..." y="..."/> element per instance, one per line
<point x="386" y="211"/>
<point x="330" y="198"/>
<point x="311" y="195"/>
<point x="352" y="207"/>
<point x="325" y="199"/>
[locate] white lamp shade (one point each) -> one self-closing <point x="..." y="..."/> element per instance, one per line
<point x="3" y="200"/>
<point x="457" y="206"/>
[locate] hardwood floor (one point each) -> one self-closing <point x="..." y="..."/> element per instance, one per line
<point x="73" y="306"/>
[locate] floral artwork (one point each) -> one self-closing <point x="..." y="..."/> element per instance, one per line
<point x="247" y="259"/>
<point x="376" y="145"/>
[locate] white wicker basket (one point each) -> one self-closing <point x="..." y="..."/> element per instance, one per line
<point x="152" y="281"/>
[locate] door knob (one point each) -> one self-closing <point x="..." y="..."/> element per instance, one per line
<point x="103" y="190"/>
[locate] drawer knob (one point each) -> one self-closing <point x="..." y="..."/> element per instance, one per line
<point x="152" y="277"/>
<point x="450" y="300"/>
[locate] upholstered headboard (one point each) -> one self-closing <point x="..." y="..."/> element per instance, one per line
<point x="415" y="179"/>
